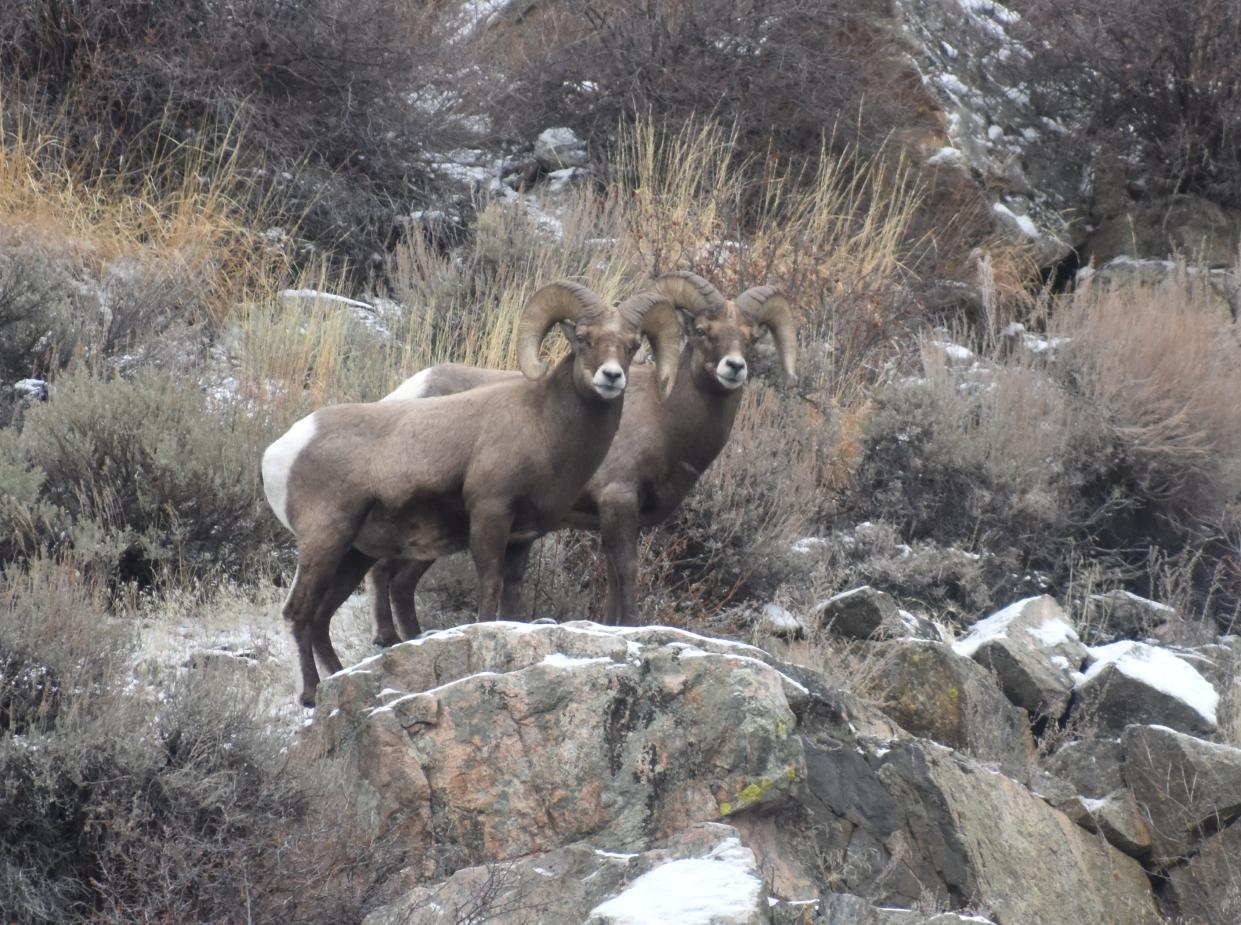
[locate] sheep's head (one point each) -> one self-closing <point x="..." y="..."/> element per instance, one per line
<point x="721" y="332"/>
<point x="603" y="339"/>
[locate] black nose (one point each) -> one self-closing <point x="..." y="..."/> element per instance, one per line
<point x="735" y="366"/>
<point x="611" y="374"/>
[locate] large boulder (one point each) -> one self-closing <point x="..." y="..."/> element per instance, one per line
<point x="1131" y="682"/>
<point x="498" y="740"/>
<point x="865" y="613"/>
<point x="1124" y="615"/>
<point x="1033" y="649"/>
<point x="1186" y="787"/>
<point x="1207" y="889"/>
<point x="919" y="819"/>
<point x="933" y="692"/>
<point x="704" y="867"/>
<point x="558" y="148"/>
<point x="1197" y="229"/>
<point x="1092" y="765"/>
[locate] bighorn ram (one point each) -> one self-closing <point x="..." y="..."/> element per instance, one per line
<point x="659" y="452"/>
<point x="479" y="470"/>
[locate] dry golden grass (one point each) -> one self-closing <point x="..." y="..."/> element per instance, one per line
<point x="187" y="211"/>
<point x="1164" y="370"/>
<point x="838" y="241"/>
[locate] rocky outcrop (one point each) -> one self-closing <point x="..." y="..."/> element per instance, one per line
<point x="1033" y="649"/>
<point x="580" y="883"/>
<point x="933" y="692"/>
<point x="496" y="741"/>
<point x="580" y="773"/>
<point x="1131" y="682"/>
<point x="865" y="613"/>
<point x="917" y="817"/>
<point x="1123" y="615"/>
<point x="1186" y="788"/>
<point x="1207" y="888"/>
<point x="1196" y="229"/>
<point x="559" y="148"/>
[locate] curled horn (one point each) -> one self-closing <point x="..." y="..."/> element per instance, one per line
<point x="767" y="306"/>
<point x="654" y="313"/>
<point x="691" y="293"/>
<point x="562" y="300"/>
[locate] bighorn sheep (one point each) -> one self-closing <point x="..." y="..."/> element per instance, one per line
<point x="660" y="451"/>
<point x="478" y="470"/>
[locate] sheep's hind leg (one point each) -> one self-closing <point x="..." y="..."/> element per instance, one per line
<point x="316" y="575"/>
<point x="349" y="574"/>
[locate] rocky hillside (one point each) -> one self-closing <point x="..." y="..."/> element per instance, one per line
<point x="576" y="773"/>
<point x="946" y="633"/>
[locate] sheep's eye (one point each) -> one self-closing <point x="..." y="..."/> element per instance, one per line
<point x="700" y="331"/>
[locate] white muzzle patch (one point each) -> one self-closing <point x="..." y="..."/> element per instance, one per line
<point x="732" y="371"/>
<point x="609" y="380"/>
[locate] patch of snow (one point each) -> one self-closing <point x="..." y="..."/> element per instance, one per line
<point x="1022" y="222"/>
<point x="614" y="854"/>
<point x="1148" y="603"/>
<point x="719" y="888"/>
<point x="995" y="133"/>
<point x="1159" y="669"/>
<point x="952" y="84"/>
<point x="1092" y="805"/>
<point x="35" y="388"/>
<point x="954" y="352"/>
<point x="808" y="544"/>
<point x="1050" y="633"/>
<point x="949" y="52"/>
<point x="947" y="156"/>
<point x="560" y="660"/>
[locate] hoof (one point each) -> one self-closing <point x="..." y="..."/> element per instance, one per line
<point x="307" y="700"/>
<point x="384" y="642"/>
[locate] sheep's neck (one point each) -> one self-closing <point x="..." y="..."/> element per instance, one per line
<point x="702" y="412"/>
<point x="589" y="422"/>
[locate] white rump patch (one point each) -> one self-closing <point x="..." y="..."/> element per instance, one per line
<point x="413" y="387"/>
<point x="278" y="462"/>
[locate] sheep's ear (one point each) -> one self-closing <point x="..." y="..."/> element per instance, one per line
<point x="568" y="329"/>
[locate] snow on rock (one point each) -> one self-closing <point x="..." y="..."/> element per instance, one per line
<point x="777" y="621"/>
<point x="723" y="888"/>
<point x="372" y="316"/>
<point x="557" y="148"/>
<point x="1031" y="646"/>
<point x="33" y="389"/>
<point x="1132" y="682"/>
<point x="963" y="51"/>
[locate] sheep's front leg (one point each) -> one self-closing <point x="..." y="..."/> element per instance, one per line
<point x="489" y="530"/>
<point x="515" y="558"/>
<point x="381" y="601"/>
<point x="618" y="533"/>
<point x="404" y="584"/>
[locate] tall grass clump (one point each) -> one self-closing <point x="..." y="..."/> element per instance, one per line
<point x="1115" y="446"/>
